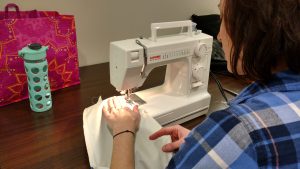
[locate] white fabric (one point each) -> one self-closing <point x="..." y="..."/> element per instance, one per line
<point x="148" y="154"/>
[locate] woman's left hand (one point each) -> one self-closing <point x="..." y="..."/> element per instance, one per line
<point x="119" y="116"/>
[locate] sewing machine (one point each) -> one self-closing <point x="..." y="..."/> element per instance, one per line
<point x="183" y="95"/>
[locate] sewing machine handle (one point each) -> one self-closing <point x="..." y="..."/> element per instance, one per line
<point x="168" y="25"/>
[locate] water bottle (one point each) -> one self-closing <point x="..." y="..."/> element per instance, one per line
<point x="36" y="67"/>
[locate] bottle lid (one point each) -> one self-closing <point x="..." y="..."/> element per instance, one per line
<point x="35" y="46"/>
<point x="33" y="52"/>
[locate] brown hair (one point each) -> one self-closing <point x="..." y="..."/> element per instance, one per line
<point x="264" y="33"/>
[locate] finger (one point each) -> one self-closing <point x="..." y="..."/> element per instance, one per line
<point x="162" y="132"/>
<point x="122" y="101"/>
<point x="127" y="110"/>
<point x="105" y="106"/>
<point x="171" y="147"/>
<point x="105" y="111"/>
<point x="117" y="102"/>
<point x="111" y="103"/>
<point x="136" y="109"/>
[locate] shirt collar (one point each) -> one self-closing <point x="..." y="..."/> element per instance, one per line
<point x="281" y="82"/>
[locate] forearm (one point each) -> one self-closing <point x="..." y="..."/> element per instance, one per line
<point x="123" y="151"/>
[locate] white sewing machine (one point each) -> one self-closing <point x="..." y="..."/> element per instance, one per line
<point x="183" y="95"/>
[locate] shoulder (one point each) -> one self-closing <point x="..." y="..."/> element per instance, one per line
<point x="267" y="110"/>
<point x="272" y="121"/>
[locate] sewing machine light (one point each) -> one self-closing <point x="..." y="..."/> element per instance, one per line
<point x="134" y="56"/>
<point x="123" y="92"/>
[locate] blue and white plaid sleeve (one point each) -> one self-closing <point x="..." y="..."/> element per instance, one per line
<point x="221" y="141"/>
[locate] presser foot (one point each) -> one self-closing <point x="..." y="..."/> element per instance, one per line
<point x="133" y="98"/>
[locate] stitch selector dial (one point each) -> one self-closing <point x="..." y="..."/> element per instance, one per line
<point x="201" y="50"/>
<point x="197" y="65"/>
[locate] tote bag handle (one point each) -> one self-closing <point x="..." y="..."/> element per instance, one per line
<point x="12" y="5"/>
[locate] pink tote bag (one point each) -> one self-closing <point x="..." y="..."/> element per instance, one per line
<point x="49" y="28"/>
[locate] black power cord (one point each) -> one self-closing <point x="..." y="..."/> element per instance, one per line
<point x="221" y="88"/>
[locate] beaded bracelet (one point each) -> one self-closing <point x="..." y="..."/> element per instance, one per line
<point x="126" y="131"/>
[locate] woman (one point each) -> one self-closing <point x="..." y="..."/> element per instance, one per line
<point x="261" y="127"/>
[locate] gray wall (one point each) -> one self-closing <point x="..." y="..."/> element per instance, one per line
<point x="100" y="21"/>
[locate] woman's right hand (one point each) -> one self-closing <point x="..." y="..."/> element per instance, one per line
<point x="119" y="116"/>
<point x="177" y="133"/>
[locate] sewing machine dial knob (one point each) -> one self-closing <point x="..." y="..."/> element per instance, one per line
<point x="201" y="50"/>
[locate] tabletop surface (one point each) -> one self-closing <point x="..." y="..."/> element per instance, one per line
<point x="54" y="139"/>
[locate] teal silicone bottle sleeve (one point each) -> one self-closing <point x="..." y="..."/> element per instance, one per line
<point x="36" y="68"/>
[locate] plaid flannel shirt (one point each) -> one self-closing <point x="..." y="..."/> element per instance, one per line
<point x="260" y="129"/>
